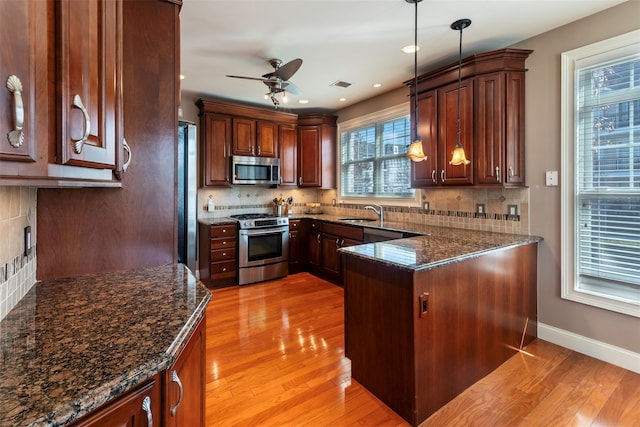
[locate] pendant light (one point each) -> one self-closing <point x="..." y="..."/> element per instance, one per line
<point x="457" y="156"/>
<point x="416" y="151"/>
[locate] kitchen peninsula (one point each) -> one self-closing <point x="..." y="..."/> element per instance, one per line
<point x="92" y="344"/>
<point x="427" y="316"/>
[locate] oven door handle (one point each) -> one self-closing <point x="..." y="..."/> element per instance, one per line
<point x="264" y="232"/>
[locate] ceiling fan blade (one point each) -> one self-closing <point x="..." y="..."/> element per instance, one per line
<point x="247" y="78"/>
<point x="289" y="69"/>
<point x="293" y="89"/>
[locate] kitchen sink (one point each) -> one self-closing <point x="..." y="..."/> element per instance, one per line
<point x="377" y="235"/>
<point x="358" y="219"/>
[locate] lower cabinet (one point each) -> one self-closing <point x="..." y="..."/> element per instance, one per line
<point x="313" y="238"/>
<point x="294" y="246"/>
<point x="334" y="237"/>
<point x="139" y="407"/>
<point x="184" y="384"/>
<point x="218" y="255"/>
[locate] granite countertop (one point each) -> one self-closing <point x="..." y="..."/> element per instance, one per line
<point x="72" y="344"/>
<point x="217" y="221"/>
<point x="435" y="246"/>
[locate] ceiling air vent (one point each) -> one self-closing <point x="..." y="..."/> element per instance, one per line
<point x="340" y="83"/>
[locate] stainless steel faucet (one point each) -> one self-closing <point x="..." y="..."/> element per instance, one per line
<point x="378" y="211"/>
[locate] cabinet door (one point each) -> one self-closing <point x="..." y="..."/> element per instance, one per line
<point x="137" y="408"/>
<point x="425" y="173"/>
<point x="215" y="148"/>
<point x="244" y="137"/>
<point x="447" y="132"/>
<point x="330" y="257"/>
<point x="287" y="138"/>
<point x="185" y="382"/>
<point x="266" y="139"/>
<point x="490" y="128"/>
<point x="23" y="75"/>
<point x="89" y="65"/>
<point x="514" y="144"/>
<point x="309" y="156"/>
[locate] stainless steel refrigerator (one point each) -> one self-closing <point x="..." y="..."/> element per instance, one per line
<point x="187" y="195"/>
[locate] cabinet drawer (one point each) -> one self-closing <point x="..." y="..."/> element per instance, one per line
<point x="223" y="231"/>
<point x="223" y="254"/>
<point x="223" y="243"/>
<point x="315" y="225"/>
<point x="223" y="269"/>
<point x="294" y="225"/>
<point x="346" y="231"/>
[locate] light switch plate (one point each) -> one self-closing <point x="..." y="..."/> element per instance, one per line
<point x="551" y="178"/>
<point x="426" y="206"/>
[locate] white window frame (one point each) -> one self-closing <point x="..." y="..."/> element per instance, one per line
<point x="613" y="299"/>
<point x="376" y="117"/>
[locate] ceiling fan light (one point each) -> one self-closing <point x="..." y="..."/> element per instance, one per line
<point x="415" y="153"/>
<point x="458" y="157"/>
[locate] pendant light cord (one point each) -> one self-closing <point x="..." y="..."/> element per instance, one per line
<point x="415" y="72"/>
<point x="459" y="85"/>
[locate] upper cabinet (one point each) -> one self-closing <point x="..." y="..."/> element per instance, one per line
<point x="317" y="136"/>
<point x="23" y="74"/>
<point x="491" y="121"/>
<point x="61" y="106"/>
<point x="233" y="129"/>
<point x="89" y="64"/>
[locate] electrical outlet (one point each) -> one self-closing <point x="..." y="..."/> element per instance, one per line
<point x="480" y="209"/>
<point x="512" y="210"/>
<point x="27" y="240"/>
<point x="426" y="206"/>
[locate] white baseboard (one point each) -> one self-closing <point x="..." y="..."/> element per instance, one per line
<point x="602" y="351"/>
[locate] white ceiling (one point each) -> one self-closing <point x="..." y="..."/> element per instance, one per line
<point x="357" y="41"/>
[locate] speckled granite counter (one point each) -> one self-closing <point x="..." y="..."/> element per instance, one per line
<point x="217" y="221"/>
<point x="72" y="344"/>
<point x="434" y="247"/>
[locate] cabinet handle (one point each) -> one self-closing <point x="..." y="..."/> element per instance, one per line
<point x="176" y="379"/>
<point x="433" y="175"/>
<point x="126" y="148"/>
<point x="510" y="171"/>
<point x="318" y="238"/>
<point x="258" y="150"/>
<point x="16" y="136"/>
<point x="442" y="175"/>
<point x="337" y="243"/>
<point x="77" y="145"/>
<point x="498" y="173"/>
<point x="146" y="407"/>
<point x="299" y="180"/>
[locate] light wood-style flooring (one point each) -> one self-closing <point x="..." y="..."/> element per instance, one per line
<point x="275" y="357"/>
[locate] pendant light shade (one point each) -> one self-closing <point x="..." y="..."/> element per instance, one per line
<point x="458" y="156"/>
<point x="416" y="151"/>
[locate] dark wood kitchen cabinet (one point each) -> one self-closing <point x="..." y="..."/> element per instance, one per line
<point x="63" y="61"/>
<point x="184" y="384"/>
<point x="255" y="138"/>
<point x="313" y="237"/>
<point x="89" y="66"/>
<point x="492" y="121"/>
<point x="218" y="259"/>
<point x="134" y="225"/>
<point x="334" y="237"/>
<point x="294" y="246"/>
<point x="136" y="408"/>
<point x="317" y="150"/>
<point x="288" y="147"/>
<point x="23" y="74"/>
<point x="215" y="150"/>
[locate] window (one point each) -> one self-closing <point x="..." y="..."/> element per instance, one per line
<point x="372" y="157"/>
<point x="601" y="174"/>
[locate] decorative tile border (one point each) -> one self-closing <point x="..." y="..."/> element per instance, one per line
<point x="16" y="279"/>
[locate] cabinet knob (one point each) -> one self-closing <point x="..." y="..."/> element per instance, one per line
<point x="16" y="136"/>
<point x="224" y="268"/>
<point x="146" y="407"/>
<point x="176" y="379"/>
<point x="224" y="254"/>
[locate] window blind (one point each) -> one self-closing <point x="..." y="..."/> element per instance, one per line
<point x="608" y="173"/>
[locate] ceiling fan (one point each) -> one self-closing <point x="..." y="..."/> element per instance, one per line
<point x="277" y="80"/>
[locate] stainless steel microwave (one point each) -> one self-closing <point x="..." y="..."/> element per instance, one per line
<point x="255" y="170"/>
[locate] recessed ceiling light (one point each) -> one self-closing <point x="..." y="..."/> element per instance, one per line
<point x="303" y="101"/>
<point x="410" y="49"/>
<point x="181" y="76"/>
<point x="377" y="85"/>
<point x="342" y="99"/>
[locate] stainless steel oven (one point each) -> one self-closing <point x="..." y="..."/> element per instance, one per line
<point x="263" y="247"/>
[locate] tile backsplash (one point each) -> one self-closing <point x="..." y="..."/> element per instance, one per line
<point x="17" y="271"/>
<point x="454" y="207"/>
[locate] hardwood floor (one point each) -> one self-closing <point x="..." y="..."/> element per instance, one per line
<point x="275" y="357"/>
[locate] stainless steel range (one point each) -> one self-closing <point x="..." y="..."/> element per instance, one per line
<point x="263" y="247"/>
